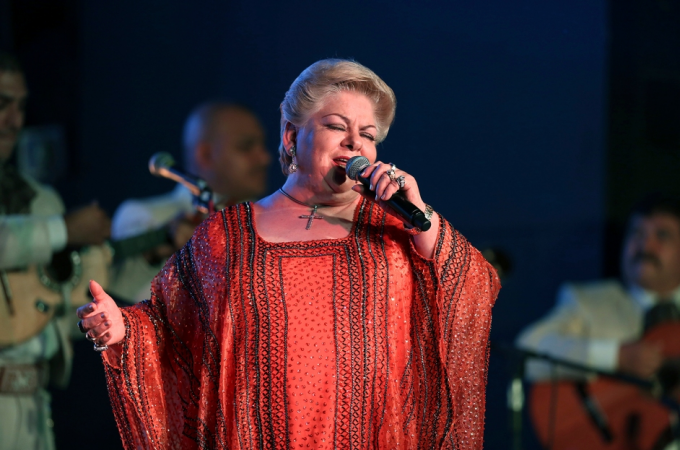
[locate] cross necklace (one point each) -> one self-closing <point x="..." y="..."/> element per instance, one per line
<point x="310" y="217"/>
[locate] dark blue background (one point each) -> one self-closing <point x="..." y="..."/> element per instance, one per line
<point x="501" y="115"/>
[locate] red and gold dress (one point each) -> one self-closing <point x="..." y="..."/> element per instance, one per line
<point x="352" y="343"/>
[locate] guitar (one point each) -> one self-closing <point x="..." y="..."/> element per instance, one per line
<point x="634" y="419"/>
<point x="31" y="297"/>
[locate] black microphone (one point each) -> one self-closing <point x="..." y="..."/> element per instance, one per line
<point x="406" y="210"/>
<point x="162" y="164"/>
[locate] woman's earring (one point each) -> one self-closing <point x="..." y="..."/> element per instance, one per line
<point x="292" y="167"/>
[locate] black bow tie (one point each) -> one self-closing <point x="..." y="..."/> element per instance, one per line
<point x="663" y="311"/>
<point x="15" y="192"/>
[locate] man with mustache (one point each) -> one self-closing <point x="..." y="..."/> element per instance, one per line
<point x="224" y="144"/>
<point x="599" y="324"/>
<point x="33" y="227"/>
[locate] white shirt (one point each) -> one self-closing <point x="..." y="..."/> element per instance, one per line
<point x="27" y="239"/>
<point x="588" y="324"/>
<point x="32" y="238"/>
<point x="131" y="279"/>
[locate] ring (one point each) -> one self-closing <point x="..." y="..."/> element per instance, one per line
<point x="89" y="338"/>
<point x="401" y="181"/>
<point x="101" y="348"/>
<point x="391" y="173"/>
<point x="80" y="327"/>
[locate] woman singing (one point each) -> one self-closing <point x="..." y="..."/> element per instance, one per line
<point x="313" y="318"/>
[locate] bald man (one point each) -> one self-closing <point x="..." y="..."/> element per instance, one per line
<point x="224" y="144"/>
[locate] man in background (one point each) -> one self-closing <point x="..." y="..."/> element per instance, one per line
<point x="599" y="324"/>
<point x="224" y="144"/>
<point x="33" y="227"/>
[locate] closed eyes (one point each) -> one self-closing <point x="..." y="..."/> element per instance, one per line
<point x="368" y="136"/>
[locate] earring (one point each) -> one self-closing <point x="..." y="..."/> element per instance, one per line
<point x="292" y="167"/>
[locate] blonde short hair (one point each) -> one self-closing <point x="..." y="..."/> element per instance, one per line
<point x="329" y="76"/>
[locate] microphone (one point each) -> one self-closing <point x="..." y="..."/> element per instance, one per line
<point x="162" y="164"/>
<point x="406" y="210"/>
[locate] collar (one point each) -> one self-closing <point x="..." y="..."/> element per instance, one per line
<point x="646" y="299"/>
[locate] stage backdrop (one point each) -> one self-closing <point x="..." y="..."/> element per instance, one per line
<point x="500" y="115"/>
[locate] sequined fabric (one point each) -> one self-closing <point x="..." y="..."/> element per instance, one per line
<point x="353" y="343"/>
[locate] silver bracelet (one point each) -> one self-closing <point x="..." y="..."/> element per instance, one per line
<point x="429" y="212"/>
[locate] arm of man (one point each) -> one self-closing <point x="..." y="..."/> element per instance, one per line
<point x="131" y="277"/>
<point x="565" y="333"/>
<point x="32" y="239"/>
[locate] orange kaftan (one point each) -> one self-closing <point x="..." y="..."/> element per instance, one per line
<point x="346" y="343"/>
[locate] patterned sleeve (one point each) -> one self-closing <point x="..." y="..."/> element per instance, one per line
<point x="459" y="289"/>
<point x="165" y="378"/>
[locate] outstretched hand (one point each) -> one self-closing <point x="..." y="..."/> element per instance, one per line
<point x="101" y="319"/>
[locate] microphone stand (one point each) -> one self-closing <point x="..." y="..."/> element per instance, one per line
<point x="203" y="202"/>
<point x="516" y="398"/>
<point x="162" y="165"/>
<point x="202" y="194"/>
<point x="516" y="390"/>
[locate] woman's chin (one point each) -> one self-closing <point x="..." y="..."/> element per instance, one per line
<point x="339" y="177"/>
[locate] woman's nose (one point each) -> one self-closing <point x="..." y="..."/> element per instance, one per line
<point x="353" y="142"/>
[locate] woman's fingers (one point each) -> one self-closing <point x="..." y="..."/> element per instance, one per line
<point x="105" y="338"/>
<point x="378" y="169"/>
<point x="100" y="330"/>
<point x="99" y="303"/>
<point x="86" y="310"/>
<point x="98" y="293"/>
<point x="381" y="182"/>
<point x="101" y="319"/>
<point x="93" y="321"/>
<point x="390" y="189"/>
<point x="363" y="191"/>
<point x="383" y="187"/>
<point x="379" y="186"/>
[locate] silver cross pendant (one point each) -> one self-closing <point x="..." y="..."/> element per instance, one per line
<point x="311" y="217"/>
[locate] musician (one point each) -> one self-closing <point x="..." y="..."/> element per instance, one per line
<point x="314" y="317"/>
<point x="599" y="324"/>
<point x="224" y="144"/>
<point x="33" y="227"/>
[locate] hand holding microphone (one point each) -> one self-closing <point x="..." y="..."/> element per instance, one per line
<point x="384" y="183"/>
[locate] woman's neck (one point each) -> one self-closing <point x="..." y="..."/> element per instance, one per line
<point x="321" y="194"/>
<point x="281" y="219"/>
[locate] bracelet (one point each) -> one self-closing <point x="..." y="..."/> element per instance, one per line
<point x="413" y="231"/>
